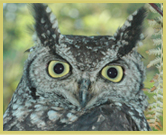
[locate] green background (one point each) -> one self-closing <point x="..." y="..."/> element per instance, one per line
<point x="76" y="19"/>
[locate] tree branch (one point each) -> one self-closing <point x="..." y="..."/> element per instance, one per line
<point x="157" y="8"/>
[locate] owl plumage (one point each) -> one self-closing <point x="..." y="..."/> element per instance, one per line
<point x="80" y="83"/>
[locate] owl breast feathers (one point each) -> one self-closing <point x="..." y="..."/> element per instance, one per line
<point x="80" y="83"/>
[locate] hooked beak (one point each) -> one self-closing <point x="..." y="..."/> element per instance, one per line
<point x="83" y="92"/>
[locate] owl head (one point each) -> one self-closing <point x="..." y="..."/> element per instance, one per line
<point x="82" y="72"/>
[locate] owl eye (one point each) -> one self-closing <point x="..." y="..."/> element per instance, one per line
<point x="57" y="69"/>
<point x="112" y="73"/>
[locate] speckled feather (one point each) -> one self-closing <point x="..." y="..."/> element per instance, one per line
<point x="41" y="102"/>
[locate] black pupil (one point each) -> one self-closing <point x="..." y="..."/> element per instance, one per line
<point x="58" y="68"/>
<point x="112" y="72"/>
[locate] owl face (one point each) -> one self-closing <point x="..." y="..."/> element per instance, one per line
<point x="83" y="72"/>
<point x="63" y="76"/>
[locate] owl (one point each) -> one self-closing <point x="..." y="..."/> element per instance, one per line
<point x="80" y="83"/>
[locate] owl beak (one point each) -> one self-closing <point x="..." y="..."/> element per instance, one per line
<point x="83" y="92"/>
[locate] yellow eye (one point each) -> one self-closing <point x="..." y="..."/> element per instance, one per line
<point x="112" y="73"/>
<point x="57" y="69"/>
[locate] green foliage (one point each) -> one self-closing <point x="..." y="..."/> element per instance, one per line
<point x="154" y="113"/>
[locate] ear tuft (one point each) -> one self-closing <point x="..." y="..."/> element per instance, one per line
<point x="46" y="24"/>
<point x="131" y="32"/>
